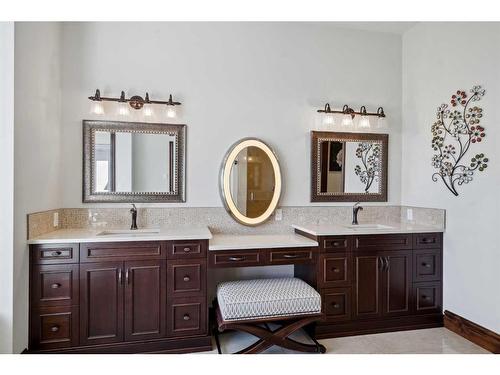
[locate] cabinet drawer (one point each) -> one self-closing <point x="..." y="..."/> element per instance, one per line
<point x="337" y="304"/>
<point x="184" y="278"/>
<point x="55" y="253"/>
<point x="427" y="265"/>
<point x="187" y="249"/>
<point x="54" y="327"/>
<point x="187" y="317"/>
<point x="335" y="243"/>
<point x="427" y="240"/>
<point x="54" y="285"/>
<point x="236" y="258"/>
<point x="427" y="297"/>
<point x="383" y="242"/>
<point x="116" y="251"/>
<point x="334" y="270"/>
<point x="290" y="256"/>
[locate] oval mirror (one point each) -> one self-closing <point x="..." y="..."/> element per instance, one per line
<point x="250" y="181"/>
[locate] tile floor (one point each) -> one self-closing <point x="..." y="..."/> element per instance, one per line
<point x="424" y="341"/>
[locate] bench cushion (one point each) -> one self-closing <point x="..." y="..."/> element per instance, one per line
<point x="251" y="299"/>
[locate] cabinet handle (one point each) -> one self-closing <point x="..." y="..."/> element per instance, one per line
<point x="426" y="265"/>
<point x="236" y="259"/>
<point x="290" y="256"/>
<point x="56" y="253"/>
<point x="427" y="240"/>
<point x="55" y="286"/>
<point x="54" y="328"/>
<point x="186" y="278"/>
<point x="186" y="317"/>
<point x="127" y="279"/>
<point x="120" y="276"/>
<point x="426" y="298"/>
<point x="380" y="263"/>
<point x="335" y="244"/>
<point x="187" y="249"/>
<point x="335" y="269"/>
<point x="386" y="260"/>
<point x="335" y="305"/>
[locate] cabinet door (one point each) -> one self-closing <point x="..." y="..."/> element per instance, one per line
<point x="101" y="303"/>
<point x="367" y="273"/>
<point x="145" y="299"/>
<point x="396" y="282"/>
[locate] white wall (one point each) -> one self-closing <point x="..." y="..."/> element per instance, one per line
<point x="234" y="80"/>
<point x="438" y="59"/>
<point x="7" y="184"/>
<point x="37" y="156"/>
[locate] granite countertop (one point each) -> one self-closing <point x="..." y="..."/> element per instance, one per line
<point x="366" y="228"/>
<point x="259" y="241"/>
<point x="92" y="235"/>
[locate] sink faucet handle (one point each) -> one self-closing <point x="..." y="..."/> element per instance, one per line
<point x="134" y="208"/>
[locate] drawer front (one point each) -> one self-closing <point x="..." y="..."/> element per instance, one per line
<point x="427" y="240"/>
<point x="236" y="258"/>
<point x="290" y="256"/>
<point x="187" y="249"/>
<point x="54" y="327"/>
<point x="185" y="278"/>
<point x="55" y="253"/>
<point x="383" y="242"/>
<point x="337" y="243"/>
<point x="427" y="297"/>
<point x="334" y="270"/>
<point x="187" y="317"/>
<point x="117" y="251"/>
<point x="427" y="265"/>
<point x="54" y="285"/>
<point x="337" y="304"/>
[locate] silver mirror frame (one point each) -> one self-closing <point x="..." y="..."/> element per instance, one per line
<point x="224" y="173"/>
<point x="178" y="194"/>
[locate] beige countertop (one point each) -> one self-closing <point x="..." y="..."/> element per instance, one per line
<point x="366" y="228"/>
<point x="259" y="241"/>
<point x="92" y="235"/>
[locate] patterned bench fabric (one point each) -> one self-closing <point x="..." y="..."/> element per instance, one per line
<point x="260" y="298"/>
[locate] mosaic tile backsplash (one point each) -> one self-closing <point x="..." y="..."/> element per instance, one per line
<point x="219" y="221"/>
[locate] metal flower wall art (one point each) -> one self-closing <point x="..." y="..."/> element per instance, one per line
<point x="456" y="130"/>
<point x="371" y="168"/>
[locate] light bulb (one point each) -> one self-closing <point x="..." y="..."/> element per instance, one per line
<point x="381" y="123"/>
<point x="347" y="121"/>
<point x="364" y="123"/>
<point x="123" y="109"/>
<point x="171" y="111"/>
<point x="96" y="107"/>
<point x="328" y="119"/>
<point x="148" y="110"/>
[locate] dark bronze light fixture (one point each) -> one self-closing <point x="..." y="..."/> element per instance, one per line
<point x="349" y="114"/>
<point x="136" y="102"/>
<point x="348" y="110"/>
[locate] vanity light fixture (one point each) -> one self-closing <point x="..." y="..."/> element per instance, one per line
<point x="136" y="102"/>
<point x="349" y="114"/>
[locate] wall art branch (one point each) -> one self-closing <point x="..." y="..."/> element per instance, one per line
<point x="371" y="161"/>
<point x="456" y="130"/>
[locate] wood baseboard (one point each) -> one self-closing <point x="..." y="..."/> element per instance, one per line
<point x="481" y="336"/>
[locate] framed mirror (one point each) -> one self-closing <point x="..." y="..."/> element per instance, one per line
<point x="348" y="167"/>
<point x="250" y="181"/>
<point x="133" y="162"/>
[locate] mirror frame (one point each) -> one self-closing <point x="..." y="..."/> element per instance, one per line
<point x="90" y="196"/>
<point x="321" y="136"/>
<point x="224" y="181"/>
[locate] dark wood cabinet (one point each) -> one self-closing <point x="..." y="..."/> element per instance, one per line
<point x="367" y="286"/>
<point x="101" y="303"/>
<point x="396" y="282"/>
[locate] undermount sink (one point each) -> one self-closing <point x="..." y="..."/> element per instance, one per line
<point x="128" y="232"/>
<point x="369" y="226"/>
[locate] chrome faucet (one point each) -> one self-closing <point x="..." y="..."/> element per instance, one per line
<point x="133" y="211"/>
<point x="355" y="210"/>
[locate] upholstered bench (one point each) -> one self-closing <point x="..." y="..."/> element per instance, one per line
<point x="246" y="305"/>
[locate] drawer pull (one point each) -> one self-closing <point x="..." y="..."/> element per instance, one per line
<point x="426" y="265"/>
<point x="187" y="249"/>
<point x="55" y="286"/>
<point x="427" y="240"/>
<point x="335" y="269"/>
<point x="54" y="328"/>
<point x="426" y="298"/>
<point x="186" y="278"/>
<point x="335" y="305"/>
<point x="56" y="253"/>
<point x="186" y="317"/>
<point x="236" y="259"/>
<point x="290" y="256"/>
